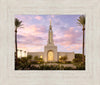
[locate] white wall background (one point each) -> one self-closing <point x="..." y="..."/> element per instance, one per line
<point x="9" y="8"/>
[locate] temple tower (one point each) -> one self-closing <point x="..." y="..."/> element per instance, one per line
<point x="50" y="50"/>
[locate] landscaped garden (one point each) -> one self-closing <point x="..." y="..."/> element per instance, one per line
<point x="26" y="63"/>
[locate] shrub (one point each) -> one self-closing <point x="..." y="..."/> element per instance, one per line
<point x="63" y="59"/>
<point x="34" y="62"/>
<point x="68" y="62"/>
<point x="81" y="66"/>
<point x="39" y="60"/>
<point x="29" y="56"/>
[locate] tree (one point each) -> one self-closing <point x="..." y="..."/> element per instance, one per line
<point x="78" y="58"/>
<point x="18" y="24"/>
<point x="40" y="59"/>
<point x="81" y="21"/>
<point x="36" y="58"/>
<point x="63" y="58"/>
<point x="29" y="57"/>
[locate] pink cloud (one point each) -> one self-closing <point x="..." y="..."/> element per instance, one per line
<point x="75" y="47"/>
<point x="71" y="28"/>
<point x="69" y="38"/>
<point x="24" y="18"/>
<point x="52" y="16"/>
<point x="76" y="31"/>
<point x="31" y="30"/>
<point x="31" y="48"/>
<point x="22" y="46"/>
<point x="66" y="43"/>
<point x="35" y="48"/>
<point x="38" y="17"/>
<point x="31" y="36"/>
<point x="68" y="35"/>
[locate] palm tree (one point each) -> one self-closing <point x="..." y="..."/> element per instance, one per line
<point x="18" y="24"/>
<point x="81" y="21"/>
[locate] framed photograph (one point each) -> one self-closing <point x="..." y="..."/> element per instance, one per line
<point x="49" y="42"/>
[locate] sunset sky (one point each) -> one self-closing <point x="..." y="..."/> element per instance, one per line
<point x="67" y="34"/>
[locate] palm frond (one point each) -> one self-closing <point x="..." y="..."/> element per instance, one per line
<point x="81" y="20"/>
<point x="17" y="23"/>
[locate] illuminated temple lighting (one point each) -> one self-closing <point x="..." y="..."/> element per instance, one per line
<point x="59" y="56"/>
<point x="41" y="56"/>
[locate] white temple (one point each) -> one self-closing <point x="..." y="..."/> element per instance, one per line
<point x="50" y="53"/>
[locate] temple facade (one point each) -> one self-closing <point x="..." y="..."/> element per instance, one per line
<point x="50" y="53"/>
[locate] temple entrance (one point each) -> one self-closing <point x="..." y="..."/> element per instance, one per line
<point x="50" y="56"/>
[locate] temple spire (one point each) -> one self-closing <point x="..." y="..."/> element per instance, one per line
<point x="50" y="21"/>
<point x="50" y="25"/>
<point x="50" y="35"/>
